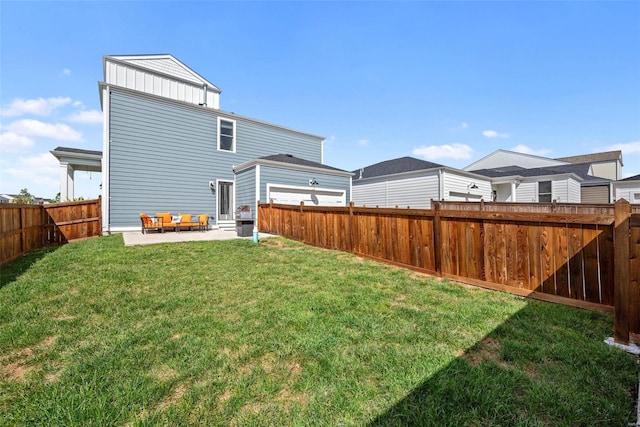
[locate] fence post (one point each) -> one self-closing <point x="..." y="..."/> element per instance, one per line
<point x="621" y="277"/>
<point x="270" y="215"/>
<point x="351" y="248"/>
<point x="437" y="247"/>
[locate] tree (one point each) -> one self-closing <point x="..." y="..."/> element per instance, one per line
<point x="25" y="198"/>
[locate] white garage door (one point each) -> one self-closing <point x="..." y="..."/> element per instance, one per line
<point x="310" y="196"/>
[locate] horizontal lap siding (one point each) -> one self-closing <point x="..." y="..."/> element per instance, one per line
<point x="246" y="188"/>
<point x="163" y="155"/>
<point x="415" y="192"/>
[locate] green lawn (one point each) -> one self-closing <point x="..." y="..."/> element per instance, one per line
<point x="232" y="333"/>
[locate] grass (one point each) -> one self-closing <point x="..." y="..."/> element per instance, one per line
<point x="232" y="333"/>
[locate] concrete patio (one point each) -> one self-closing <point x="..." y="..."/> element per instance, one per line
<point x="136" y="238"/>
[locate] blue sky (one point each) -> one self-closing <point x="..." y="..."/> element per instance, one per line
<point x="449" y="82"/>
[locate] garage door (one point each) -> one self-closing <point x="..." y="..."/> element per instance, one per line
<point x="310" y="196"/>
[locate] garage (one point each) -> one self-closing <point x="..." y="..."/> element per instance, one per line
<point x="309" y="196"/>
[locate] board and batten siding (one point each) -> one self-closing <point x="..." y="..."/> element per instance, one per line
<point x="162" y="155"/>
<point x="274" y="175"/>
<point x="188" y="90"/>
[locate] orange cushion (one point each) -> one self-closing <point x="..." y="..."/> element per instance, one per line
<point x="203" y="218"/>
<point x="165" y="216"/>
<point x="185" y="217"/>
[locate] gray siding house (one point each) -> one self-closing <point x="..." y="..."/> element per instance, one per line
<point x="168" y="147"/>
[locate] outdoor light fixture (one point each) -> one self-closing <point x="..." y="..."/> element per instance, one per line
<point x="313" y="182"/>
<point x="472" y="186"/>
<point x="212" y="185"/>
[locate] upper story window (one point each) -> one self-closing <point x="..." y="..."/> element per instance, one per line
<point x="226" y="135"/>
<point x="544" y="191"/>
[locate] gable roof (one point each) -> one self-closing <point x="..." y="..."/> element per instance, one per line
<point x="595" y="157"/>
<point x="394" y="166"/>
<point x="504" y="158"/>
<point x="292" y="162"/>
<point x="163" y="63"/>
<point x="580" y="169"/>
<point x="631" y="178"/>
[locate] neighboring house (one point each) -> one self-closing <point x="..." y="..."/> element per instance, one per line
<point x="519" y="177"/>
<point x="603" y="165"/>
<point x="517" y="184"/>
<point x="168" y="147"/>
<point x="7" y="198"/>
<point x="409" y="182"/>
<point x="628" y="189"/>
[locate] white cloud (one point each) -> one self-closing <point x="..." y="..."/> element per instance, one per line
<point x="363" y="142"/>
<point x="447" y="151"/>
<point x="520" y="148"/>
<point x="36" y="172"/>
<point x="464" y="125"/>
<point x="86" y="116"/>
<point x="66" y="72"/>
<point x="494" y="134"/>
<point x="38" y="107"/>
<point x="11" y="142"/>
<point x="30" y="127"/>
<point x="626" y="148"/>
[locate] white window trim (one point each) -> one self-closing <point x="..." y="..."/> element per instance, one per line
<point x="233" y="144"/>
<point x="551" y="193"/>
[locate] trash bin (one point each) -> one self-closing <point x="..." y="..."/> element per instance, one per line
<point x="244" y="227"/>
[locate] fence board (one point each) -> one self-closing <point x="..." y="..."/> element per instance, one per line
<point x="564" y="254"/>
<point x="24" y="228"/>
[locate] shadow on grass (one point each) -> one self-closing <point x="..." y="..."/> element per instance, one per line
<point x="549" y="374"/>
<point x="10" y="271"/>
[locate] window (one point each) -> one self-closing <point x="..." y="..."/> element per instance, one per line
<point x="544" y="191"/>
<point x="636" y="197"/>
<point x="226" y="135"/>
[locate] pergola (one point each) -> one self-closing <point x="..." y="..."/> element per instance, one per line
<point x="75" y="159"/>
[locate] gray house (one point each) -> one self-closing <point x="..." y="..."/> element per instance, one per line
<point x="167" y="146"/>
<point x="410" y="182"/>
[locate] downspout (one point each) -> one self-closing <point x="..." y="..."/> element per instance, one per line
<point x="204" y="103"/>
<point x="257" y="195"/>
<point x="106" y="153"/>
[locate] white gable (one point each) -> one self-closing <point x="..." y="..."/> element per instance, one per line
<point x="161" y="75"/>
<point x="504" y="158"/>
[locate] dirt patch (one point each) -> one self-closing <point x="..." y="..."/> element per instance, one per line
<point x="174" y="398"/>
<point x="487" y="350"/>
<point x="16" y="365"/>
<point x="64" y="317"/>
<point x="399" y="302"/>
<point x="163" y="373"/>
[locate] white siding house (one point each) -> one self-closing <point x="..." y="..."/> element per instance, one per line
<point x="628" y="189"/>
<point x="409" y="182"/>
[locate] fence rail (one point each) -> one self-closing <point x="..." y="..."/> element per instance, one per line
<point x="24" y="228"/>
<point x="571" y="258"/>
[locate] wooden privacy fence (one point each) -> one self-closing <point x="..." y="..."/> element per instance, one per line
<point x="24" y="228"/>
<point x="590" y="260"/>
